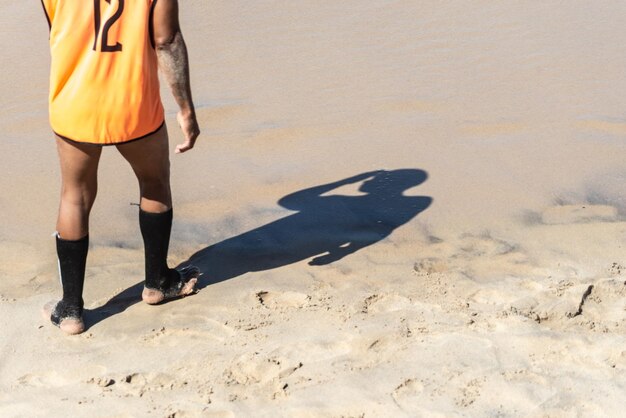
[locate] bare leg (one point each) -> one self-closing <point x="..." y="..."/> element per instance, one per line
<point x="149" y="159"/>
<point x="79" y="172"/>
<point x="79" y="167"/>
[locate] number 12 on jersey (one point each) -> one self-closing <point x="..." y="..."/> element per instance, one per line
<point x="102" y="30"/>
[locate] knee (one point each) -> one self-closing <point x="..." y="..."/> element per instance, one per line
<point x="155" y="184"/>
<point x="81" y="196"/>
<point x="158" y="187"/>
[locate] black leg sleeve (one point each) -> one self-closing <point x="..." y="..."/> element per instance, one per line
<point x="72" y="257"/>
<point x="155" y="230"/>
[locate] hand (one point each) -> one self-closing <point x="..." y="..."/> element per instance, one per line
<point x="189" y="125"/>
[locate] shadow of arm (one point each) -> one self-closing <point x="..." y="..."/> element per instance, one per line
<point x="301" y="199"/>
<point x="337" y="254"/>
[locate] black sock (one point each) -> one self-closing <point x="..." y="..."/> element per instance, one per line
<point x="72" y="256"/>
<point x="155" y="230"/>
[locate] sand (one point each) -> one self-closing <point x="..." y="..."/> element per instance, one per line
<point x="402" y="209"/>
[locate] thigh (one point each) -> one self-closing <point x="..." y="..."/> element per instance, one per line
<point x="79" y="163"/>
<point x="149" y="156"/>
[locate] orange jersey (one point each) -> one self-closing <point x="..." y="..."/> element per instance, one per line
<point x="104" y="86"/>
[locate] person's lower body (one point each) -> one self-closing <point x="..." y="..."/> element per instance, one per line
<point x="149" y="159"/>
<point x="155" y="218"/>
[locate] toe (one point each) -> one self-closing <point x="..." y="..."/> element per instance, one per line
<point x="189" y="287"/>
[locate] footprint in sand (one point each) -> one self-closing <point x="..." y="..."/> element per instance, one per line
<point x="180" y="332"/>
<point x="373" y="348"/>
<point x="188" y="322"/>
<point x="137" y="384"/>
<point x="479" y="256"/>
<point x="410" y="396"/>
<point x="46" y="379"/>
<point x="251" y="369"/>
<point x="282" y="300"/>
<point x="431" y="265"/>
<point x="599" y="305"/>
<point x="407" y="394"/>
<point x="259" y="375"/>
<point x="484" y="245"/>
<point x="557" y="305"/>
<point x="378" y="303"/>
<point x="606" y="305"/>
<point x="54" y="378"/>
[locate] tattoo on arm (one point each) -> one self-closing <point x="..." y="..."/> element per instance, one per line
<point x="174" y="63"/>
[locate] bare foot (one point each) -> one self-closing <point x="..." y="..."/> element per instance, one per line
<point x="69" y="320"/>
<point x="185" y="286"/>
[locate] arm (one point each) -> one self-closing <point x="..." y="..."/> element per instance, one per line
<point x="337" y="253"/>
<point x="174" y="64"/>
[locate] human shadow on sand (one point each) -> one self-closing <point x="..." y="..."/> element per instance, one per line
<point x="325" y="228"/>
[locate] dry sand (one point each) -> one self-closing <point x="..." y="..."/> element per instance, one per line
<point x="490" y="283"/>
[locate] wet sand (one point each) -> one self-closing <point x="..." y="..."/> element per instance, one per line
<point x="400" y="209"/>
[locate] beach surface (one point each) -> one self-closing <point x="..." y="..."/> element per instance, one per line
<point x="401" y="209"/>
